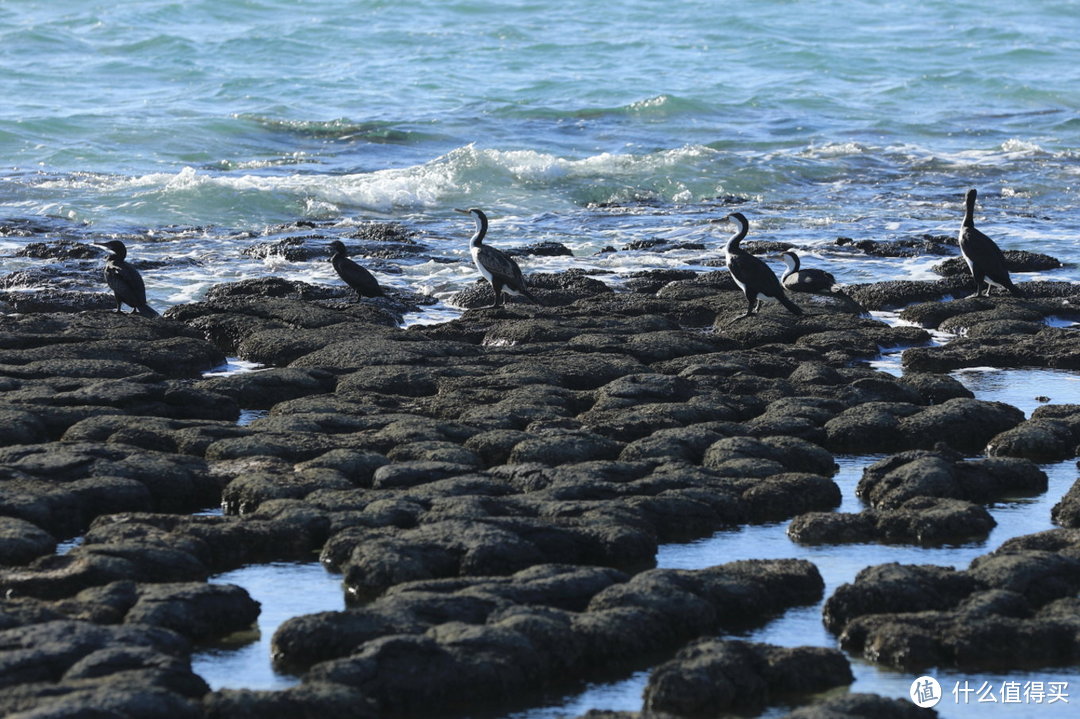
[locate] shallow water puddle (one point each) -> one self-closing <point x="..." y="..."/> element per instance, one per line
<point x="1024" y="389"/>
<point x="233" y="365"/>
<point x="247" y="416"/>
<point x="839" y="564"/>
<point x="285" y="590"/>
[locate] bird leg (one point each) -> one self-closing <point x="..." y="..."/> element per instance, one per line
<point x="497" y="287"/>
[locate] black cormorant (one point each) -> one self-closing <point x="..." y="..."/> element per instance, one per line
<point x="752" y="275"/>
<point x="984" y="258"/>
<point x="124" y="280"/>
<point x="808" y="280"/>
<point x="495" y="265"/>
<point x="354" y="275"/>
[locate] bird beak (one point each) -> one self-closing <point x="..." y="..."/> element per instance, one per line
<point x="458" y="209"/>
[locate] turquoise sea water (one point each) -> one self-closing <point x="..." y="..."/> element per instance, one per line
<point x="590" y="124"/>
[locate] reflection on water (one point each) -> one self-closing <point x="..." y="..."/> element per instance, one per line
<point x="285" y="590"/>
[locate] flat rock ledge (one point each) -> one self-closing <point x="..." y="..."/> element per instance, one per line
<point x="1066" y="513"/>
<point x="999" y="331"/>
<point x="926" y="521"/>
<point x="714" y="676"/>
<point x="499" y="641"/>
<point x="1052" y="434"/>
<point x="65" y="667"/>
<point x="927" y="497"/>
<point x="1015" y="607"/>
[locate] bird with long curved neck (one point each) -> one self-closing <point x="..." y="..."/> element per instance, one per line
<point x="754" y="277"/>
<point x="801" y="279"/>
<point x="353" y="274"/>
<point x="494" y="265"/>
<point x="984" y="258"/>
<point x="124" y="280"/>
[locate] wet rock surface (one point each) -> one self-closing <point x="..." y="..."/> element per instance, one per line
<point x="919" y="520"/>
<point x="711" y="676"/>
<point x="894" y="480"/>
<point x="498" y="643"/>
<point x="494" y="489"/>
<point x="1066" y="513"/>
<point x="1013" y="607"/>
<point x="1015" y="261"/>
<point x="862" y="706"/>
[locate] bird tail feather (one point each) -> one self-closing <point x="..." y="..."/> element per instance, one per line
<point x="147" y="311"/>
<point x="791" y="306"/>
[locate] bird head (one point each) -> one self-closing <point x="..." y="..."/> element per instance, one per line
<point x="116" y="247"/>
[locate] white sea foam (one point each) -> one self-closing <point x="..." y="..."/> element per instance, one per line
<point x="467" y="171"/>
<point x="835" y="149"/>
<point x="1016" y="146"/>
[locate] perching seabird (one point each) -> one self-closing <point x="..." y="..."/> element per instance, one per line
<point x="984" y="258"/>
<point x="804" y="280"/>
<point x="353" y="274"/>
<point x="752" y="275"/>
<point x="124" y="280"/>
<point x="495" y="265"/>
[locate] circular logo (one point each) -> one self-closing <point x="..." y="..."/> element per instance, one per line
<point x="925" y="692"/>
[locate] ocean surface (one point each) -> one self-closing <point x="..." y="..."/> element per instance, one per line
<point x="194" y="129"/>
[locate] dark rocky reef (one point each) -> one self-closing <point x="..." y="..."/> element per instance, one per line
<point x="309" y="241"/>
<point x="1052" y="434"/>
<point x="923" y="497"/>
<point x="998" y="331"/>
<point x="894" y="480"/>
<point x="1014" y="607"/>
<point x="1066" y="513"/>
<point x="862" y="706"/>
<point x="492" y="489"/>
<point x="907" y="247"/>
<point x="920" y="520"/>
<point x="715" y="676"/>
<point x="556" y="289"/>
<point x="64" y="667"/>
<point x="1015" y="261"/>
<point x="544" y="626"/>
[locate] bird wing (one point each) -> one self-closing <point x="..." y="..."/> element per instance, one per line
<point x="755" y="274"/>
<point x="501" y="267"/>
<point x="357" y="277"/>
<point x="983" y="251"/>
<point x="809" y="279"/>
<point x="126" y="283"/>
